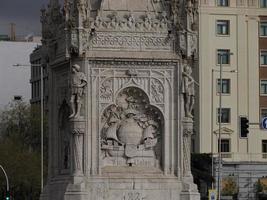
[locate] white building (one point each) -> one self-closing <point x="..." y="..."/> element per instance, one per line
<point x="238" y="27"/>
<point x="15" y="80"/>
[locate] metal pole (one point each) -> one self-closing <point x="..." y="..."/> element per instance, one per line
<point x="7" y="182"/>
<point x="212" y="153"/>
<point x="220" y="124"/>
<point x="42" y="128"/>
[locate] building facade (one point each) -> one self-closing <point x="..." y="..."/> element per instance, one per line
<point x="38" y="63"/>
<point x="14" y="81"/>
<point x="238" y="28"/>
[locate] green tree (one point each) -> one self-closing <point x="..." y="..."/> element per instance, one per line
<point x="20" y="150"/>
<point x="201" y="166"/>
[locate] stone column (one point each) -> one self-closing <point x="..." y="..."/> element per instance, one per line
<point x="187" y="132"/>
<point x="77" y="129"/>
<point x="189" y="191"/>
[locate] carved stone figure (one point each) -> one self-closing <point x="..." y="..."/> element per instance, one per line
<point x="78" y="84"/>
<point x="98" y="21"/>
<point x="188" y="90"/>
<point x="106" y="90"/>
<point x="148" y="22"/>
<point x="131" y="131"/>
<point x="157" y="91"/>
<point x="131" y="21"/>
<point x="164" y="21"/>
<point x="192" y="11"/>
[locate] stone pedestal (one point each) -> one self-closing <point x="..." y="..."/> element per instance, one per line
<point x="190" y="191"/>
<point x="76" y="190"/>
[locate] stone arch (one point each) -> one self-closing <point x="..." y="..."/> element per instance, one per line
<point x="131" y="131"/>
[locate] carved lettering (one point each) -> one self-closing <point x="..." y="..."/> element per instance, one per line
<point x="133" y="196"/>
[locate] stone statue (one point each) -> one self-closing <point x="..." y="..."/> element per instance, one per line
<point x="78" y="84"/>
<point x="188" y="90"/>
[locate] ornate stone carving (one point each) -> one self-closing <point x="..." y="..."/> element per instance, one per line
<point x="192" y="12"/>
<point x="77" y="128"/>
<point x="157" y="91"/>
<point x="78" y="84"/>
<point x="106" y="90"/>
<point x="188" y="90"/>
<point x="187" y="132"/>
<point x="131" y="41"/>
<point x="131" y="131"/>
<point x="148" y="23"/>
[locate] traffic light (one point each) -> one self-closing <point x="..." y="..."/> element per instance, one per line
<point x="7" y="195"/>
<point x="244" y="125"/>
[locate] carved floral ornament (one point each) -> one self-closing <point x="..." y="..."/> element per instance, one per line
<point x="130" y="22"/>
<point x="131" y="130"/>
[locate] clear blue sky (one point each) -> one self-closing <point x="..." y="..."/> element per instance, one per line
<point x="24" y="13"/>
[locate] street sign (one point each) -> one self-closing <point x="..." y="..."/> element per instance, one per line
<point x="264" y="123"/>
<point x="212" y="194"/>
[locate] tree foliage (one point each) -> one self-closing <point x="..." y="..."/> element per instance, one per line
<point x="201" y="166"/>
<point x="20" y="150"/>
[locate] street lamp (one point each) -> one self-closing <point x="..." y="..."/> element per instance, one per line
<point x="7" y="182"/>
<point x="212" y="89"/>
<point x="220" y="54"/>
<point x="42" y="116"/>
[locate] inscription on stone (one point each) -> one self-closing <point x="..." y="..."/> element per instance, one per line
<point x="134" y="196"/>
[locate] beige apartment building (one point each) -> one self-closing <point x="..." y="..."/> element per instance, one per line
<point x="238" y="27"/>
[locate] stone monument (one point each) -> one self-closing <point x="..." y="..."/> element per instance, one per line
<point x="121" y="96"/>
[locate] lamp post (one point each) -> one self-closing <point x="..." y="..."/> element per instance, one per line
<point x="7" y="182"/>
<point x="42" y="116"/>
<point x="220" y="123"/>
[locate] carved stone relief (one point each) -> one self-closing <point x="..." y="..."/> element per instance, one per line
<point x="106" y="90"/>
<point x="132" y="22"/>
<point x="131" y="41"/>
<point x="157" y="91"/>
<point x="131" y="131"/>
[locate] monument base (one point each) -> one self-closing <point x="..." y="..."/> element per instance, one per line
<point x="121" y="186"/>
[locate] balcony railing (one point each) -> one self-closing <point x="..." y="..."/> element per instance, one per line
<point x="240" y="157"/>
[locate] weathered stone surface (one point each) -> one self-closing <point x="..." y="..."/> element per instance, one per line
<point x="128" y="136"/>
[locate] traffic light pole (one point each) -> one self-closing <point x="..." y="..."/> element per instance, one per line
<point x="220" y="124"/>
<point x="7" y="182"/>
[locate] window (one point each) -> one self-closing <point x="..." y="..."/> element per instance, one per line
<point x="225" y="115"/>
<point x="263" y="113"/>
<point x="263" y="60"/>
<point x="225" y="54"/>
<point x="225" y="145"/>
<point x="223" y="2"/>
<point x="263" y="87"/>
<point x="263" y="28"/>
<point x="222" y="27"/>
<point x="263" y="3"/>
<point x="225" y="86"/>
<point x="264" y="146"/>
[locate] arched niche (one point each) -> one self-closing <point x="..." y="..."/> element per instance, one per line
<point x="64" y="137"/>
<point x="132" y="131"/>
